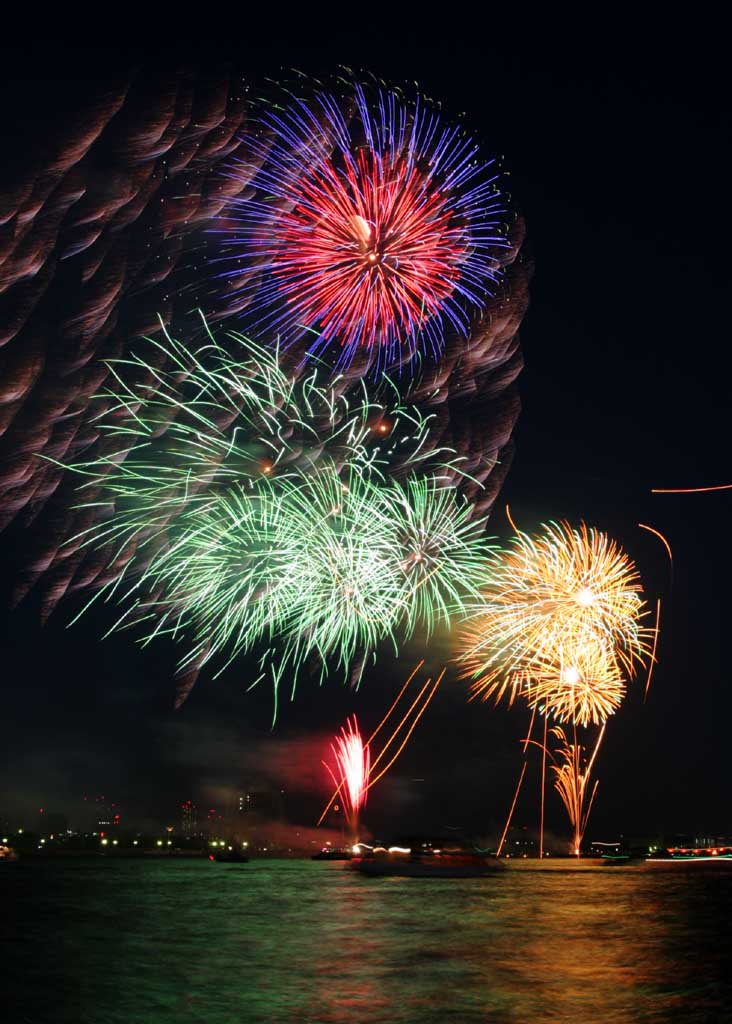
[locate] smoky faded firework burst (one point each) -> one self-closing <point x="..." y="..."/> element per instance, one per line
<point x="374" y="223"/>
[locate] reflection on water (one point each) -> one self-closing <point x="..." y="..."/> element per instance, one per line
<point x="98" y="942"/>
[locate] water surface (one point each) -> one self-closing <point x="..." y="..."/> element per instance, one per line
<point x="142" y="942"/>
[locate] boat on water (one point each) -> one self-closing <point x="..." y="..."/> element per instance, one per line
<point x="619" y="860"/>
<point x="230" y="857"/>
<point x="328" y="854"/>
<point x="702" y="858"/>
<point x="425" y="860"/>
<point x="8" y="855"/>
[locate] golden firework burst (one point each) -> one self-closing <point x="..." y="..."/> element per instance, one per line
<point x="561" y="624"/>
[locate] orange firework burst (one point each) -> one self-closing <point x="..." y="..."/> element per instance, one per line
<point x="560" y="624"/>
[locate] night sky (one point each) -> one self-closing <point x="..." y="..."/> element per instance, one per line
<point x="619" y="153"/>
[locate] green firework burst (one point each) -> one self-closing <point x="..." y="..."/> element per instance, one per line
<point x="252" y="512"/>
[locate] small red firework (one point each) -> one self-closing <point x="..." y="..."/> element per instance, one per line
<point x="352" y="769"/>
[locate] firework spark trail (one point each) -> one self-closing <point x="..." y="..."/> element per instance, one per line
<point x="396" y="700"/>
<point x="255" y="510"/>
<point x="559" y="624"/>
<point x="380" y="233"/>
<point x="526" y="743"/>
<point x="543" y="790"/>
<point x="652" y="659"/>
<point x="664" y="541"/>
<point x="410" y="730"/>
<point x="690" y="490"/>
<point x="657" y="625"/>
<point x="513" y="807"/>
<point x="571" y="781"/>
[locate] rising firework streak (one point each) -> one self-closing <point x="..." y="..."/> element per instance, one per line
<point x="351" y="771"/>
<point x="572" y="774"/>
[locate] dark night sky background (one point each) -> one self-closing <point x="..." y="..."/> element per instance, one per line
<point x="619" y="151"/>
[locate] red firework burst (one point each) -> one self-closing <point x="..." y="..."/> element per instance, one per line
<point x="371" y="252"/>
<point x="379" y="228"/>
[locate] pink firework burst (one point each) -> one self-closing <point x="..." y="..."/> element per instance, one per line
<point x="352" y="769"/>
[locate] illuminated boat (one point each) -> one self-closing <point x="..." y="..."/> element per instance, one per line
<point x="618" y="860"/>
<point x="328" y="854"/>
<point x="424" y="861"/>
<point x="693" y="855"/>
<point x="8" y="855"/>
